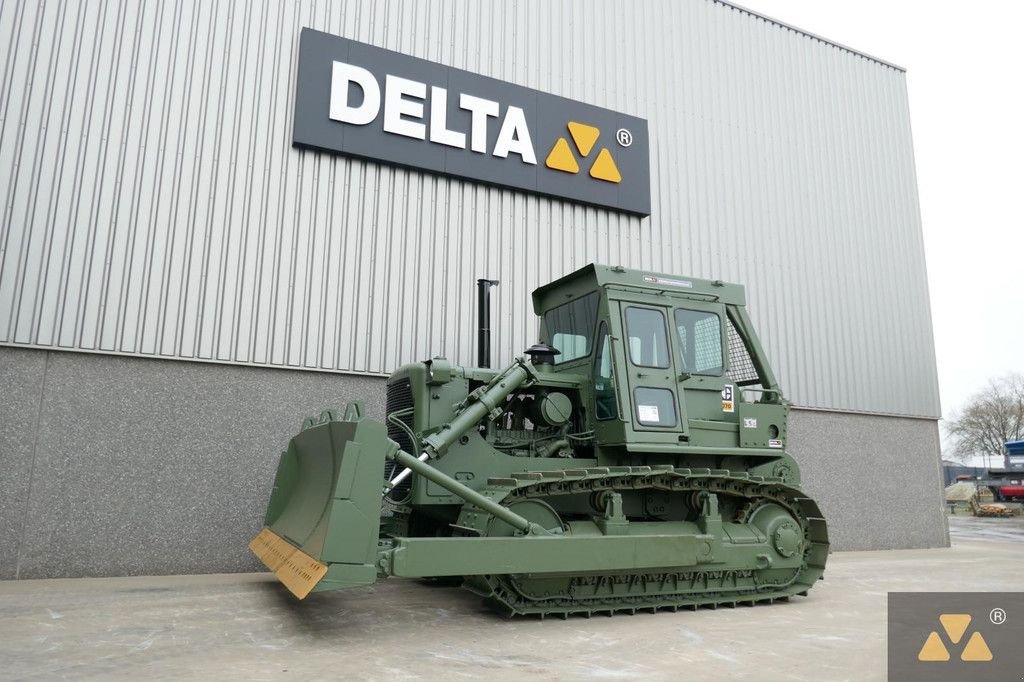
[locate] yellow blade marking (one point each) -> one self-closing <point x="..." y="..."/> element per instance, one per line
<point x="298" y="571"/>
<point x="267" y="548"/>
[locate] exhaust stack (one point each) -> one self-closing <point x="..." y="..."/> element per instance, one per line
<point x="483" y="316"/>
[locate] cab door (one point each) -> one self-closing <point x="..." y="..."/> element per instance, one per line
<point x="651" y="373"/>
<point x="710" y="396"/>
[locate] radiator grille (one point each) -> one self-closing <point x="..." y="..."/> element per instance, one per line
<point x="399" y="397"/>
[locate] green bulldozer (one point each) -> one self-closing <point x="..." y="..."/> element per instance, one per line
<point x="634" y="459"/>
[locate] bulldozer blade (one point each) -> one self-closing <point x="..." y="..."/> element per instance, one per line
<point x="323" y="520"/>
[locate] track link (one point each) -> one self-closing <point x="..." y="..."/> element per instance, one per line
<point x="672" y="589"/>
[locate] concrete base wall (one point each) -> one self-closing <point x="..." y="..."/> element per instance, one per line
<point x="127" y="466"/>
<point x="113" y="465"/>
<point x="878" y="480"/>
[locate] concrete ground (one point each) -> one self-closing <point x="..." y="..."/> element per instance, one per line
<point x="963" y="527"/>
<point x="247" y="627"/>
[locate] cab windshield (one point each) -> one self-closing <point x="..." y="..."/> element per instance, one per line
<point x="570" y="327"/>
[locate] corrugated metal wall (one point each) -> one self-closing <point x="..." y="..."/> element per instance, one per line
<point x="152" y="203"/>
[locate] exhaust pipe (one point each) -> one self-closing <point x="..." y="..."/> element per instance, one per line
<point x="483" y="316"/>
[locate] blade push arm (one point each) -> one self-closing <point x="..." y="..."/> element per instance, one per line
<point x="485" y="402"/>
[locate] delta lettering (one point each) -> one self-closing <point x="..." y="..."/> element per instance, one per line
<point x="405" y="102"/>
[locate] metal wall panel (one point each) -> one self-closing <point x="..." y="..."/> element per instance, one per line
<point x="153" y="204"/>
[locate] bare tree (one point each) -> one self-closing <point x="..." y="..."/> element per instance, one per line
<point x="990" y="418"/>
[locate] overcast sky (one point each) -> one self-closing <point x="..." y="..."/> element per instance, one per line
<point x="965" y="78"/>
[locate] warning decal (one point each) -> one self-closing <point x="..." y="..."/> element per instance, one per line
<point x="728" y="404"/>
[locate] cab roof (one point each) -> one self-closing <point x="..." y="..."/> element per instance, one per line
<point x="593" y="276"/>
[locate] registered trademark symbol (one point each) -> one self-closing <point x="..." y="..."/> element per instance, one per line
<point x="624" y="137"/>
<point x="997" y="616"/>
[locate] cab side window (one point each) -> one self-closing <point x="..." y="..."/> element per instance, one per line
<point x="648" y="341"/>
<point x="700" y="342"/>
<point x="605" y="405"/>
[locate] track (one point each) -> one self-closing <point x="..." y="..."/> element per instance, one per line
<point x="672" y="588"/>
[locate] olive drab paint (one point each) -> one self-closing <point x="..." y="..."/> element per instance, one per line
<point x="364" y="101"/>
<point x="545" y="504"/>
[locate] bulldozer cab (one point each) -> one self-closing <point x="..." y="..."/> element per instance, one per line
<point x="671" y="362"/>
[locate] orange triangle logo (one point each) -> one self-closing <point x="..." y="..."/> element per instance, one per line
<point x="604" y="167"/>
<point x="561" y="158"/>
<point x="976" y="649"/>
<point x="933" y="649"/>
<point x="584" y="136"/>
<point x="955" y="625"/>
